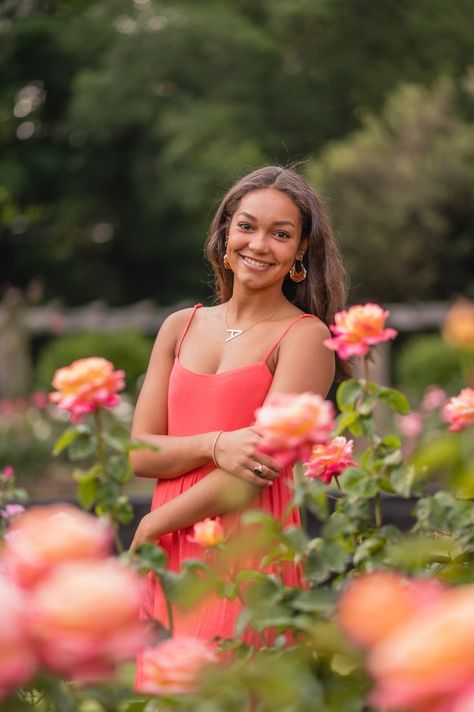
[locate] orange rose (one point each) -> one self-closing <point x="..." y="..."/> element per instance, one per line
<point x="460" y="410"/>
<point x="458" y="327"/>
<point x="374" y="605"/>
<point x="17" y="662"/>
<point x="174" y="667"/>
<point x="85" y="385"/>
<point x="357" y="329"/>
<point x="328" y="461"/>
<point x="208" y="533"/>
<point x="290" y="424"/>
<point x="43" y="537"/>
<point x="84" y="618"/>
<point x="428" y="663"/>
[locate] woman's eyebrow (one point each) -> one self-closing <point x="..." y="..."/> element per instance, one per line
<point x="275" y="222"/>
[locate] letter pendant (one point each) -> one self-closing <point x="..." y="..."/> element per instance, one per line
<point x="233" y="334"/>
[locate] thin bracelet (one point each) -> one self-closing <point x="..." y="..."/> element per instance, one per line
<point x="213" y="451"/>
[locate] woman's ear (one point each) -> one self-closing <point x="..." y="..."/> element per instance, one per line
<point x="303" y="247"/>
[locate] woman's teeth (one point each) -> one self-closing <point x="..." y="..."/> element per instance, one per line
<point x="255" y="263"/>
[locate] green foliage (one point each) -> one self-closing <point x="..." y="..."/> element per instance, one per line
<point x="114" y="150"/>
<point x="402" y="191"/>
<point x="426" y="359"/>
<point x="127" y="350"/>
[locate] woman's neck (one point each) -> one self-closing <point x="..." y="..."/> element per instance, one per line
<point x="249" y="306"/>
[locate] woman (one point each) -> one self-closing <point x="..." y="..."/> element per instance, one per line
<point x="279" y="282"/>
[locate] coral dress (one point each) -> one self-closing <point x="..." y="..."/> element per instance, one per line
<point x="199" y="403"/>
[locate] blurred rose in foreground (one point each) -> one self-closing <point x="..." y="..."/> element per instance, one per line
<point x="84" y="618"/>
<point x="43" y="537"/>
<point x="85" y="385"/>
<point x="328" y="461"/>
<point x="208" y="533"/>
<point x="427" y="664"/>
<point x="458" y="327"/>
<point x="459" y="412"/>
<point x="17" y="663"/>
<point x="357" y="329"/>
<point x="8" y="472"/>
<point x="375" y="605"/>
<point x="174" y="667"/>
<point x="291" y="424"/>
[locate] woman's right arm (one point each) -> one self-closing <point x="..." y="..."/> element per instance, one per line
<point x="176" y="455"/>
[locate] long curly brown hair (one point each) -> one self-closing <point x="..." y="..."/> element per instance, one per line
<point x="324" y="291"/>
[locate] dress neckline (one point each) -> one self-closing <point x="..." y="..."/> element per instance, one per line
<point x="259" y="364"/>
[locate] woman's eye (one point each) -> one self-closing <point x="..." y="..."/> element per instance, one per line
<point x="245" y="226"/>
<point x="282" y="234"/>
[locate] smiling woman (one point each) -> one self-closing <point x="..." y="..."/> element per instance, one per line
<point x="279" y="282"/>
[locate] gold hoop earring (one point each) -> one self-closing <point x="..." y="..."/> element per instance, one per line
<point x="298" y="274"/>
<point x="226" y="262"/>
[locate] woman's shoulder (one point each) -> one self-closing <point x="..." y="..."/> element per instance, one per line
<point x="306" y="329"/>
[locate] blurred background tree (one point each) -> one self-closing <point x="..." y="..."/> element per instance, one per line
<point x="121" y="124"/>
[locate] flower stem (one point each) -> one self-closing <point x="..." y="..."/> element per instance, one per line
<point x="101" y="456"/>
<point x="378" y="510"/>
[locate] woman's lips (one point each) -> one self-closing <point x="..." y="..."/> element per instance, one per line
<point x="258" y="265"/>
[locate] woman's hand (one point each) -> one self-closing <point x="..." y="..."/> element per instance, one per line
<point x="237" y="452"/>
<point x="147" y="530"/>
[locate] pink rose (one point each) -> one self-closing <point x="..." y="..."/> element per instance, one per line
<point x="375" y="605"/>
<point x="174" y="667"/>
<point x="328" y="461"/>
<point x="17" y="662"/>
<point x="433" y="398"/>
<point x="12" y="510"/>
<point x="458" y="328"/>
<point x="8" y="472"/>
<point x="84" y="618"/>
<point x="85" y="385"/>
<point x="290" y="424"/>
<point x="428" y="662"/>
<point x="357" y="329"/>
<point x="460" y="410"/>
<point x="208" y="533"/>
<point x="43" y="537"/>
<point x="410" y="425"/>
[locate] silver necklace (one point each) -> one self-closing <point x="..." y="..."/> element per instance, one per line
<point x="234" y="333"/>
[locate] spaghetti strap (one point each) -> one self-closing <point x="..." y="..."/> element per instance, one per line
<point x="278" y="342"/>
<point x="185" y="331"/>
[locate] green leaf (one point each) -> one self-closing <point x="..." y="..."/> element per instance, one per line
<point x="68" y="437"/>
<point x="359" y="483"/>
<point x="87" y="491"/>
<point x="119" y="469"/>
<point x="347" y="393"/>
<point x="314" y="601"/>
<point x="82" y="446"/>
<point x="250" y="575"/>
<point x="347" y="420"/>
<point x="395" y="400"/>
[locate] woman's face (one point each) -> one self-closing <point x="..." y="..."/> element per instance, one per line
<point x="264" y="237"/>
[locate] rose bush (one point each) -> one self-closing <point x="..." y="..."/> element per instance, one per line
<point x="383" y="620"/>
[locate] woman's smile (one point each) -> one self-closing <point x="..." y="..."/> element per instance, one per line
<point x="255" y="264"/>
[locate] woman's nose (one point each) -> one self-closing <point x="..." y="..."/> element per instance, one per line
<point x="258" y="241"/>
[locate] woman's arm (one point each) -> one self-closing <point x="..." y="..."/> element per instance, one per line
<point x="304" y="364"/>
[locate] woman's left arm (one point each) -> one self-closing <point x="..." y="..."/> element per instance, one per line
<point x="303" y="364"/>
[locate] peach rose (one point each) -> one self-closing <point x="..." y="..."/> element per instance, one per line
<point x="174" y="667"/>
<point x="429" y="660"/>
<point x="460" y="410"/>
<point x="327" y="461"/>
<point x="357" y="329"/>
<point x="208" y="533"/>
<point x="433" y="398"/>
<point x="17" y="662"/>
<point x="85" y="385"/>
<point x="43" y="537"/>
<point x="374" y="605"/>
<point x="84" y="618"/>
<point x="458" y="327"/>
<point x="291" y="424"/>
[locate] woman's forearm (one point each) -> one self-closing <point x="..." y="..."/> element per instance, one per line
<point x="217" y="493"/>
<point x="176" y="455"/>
